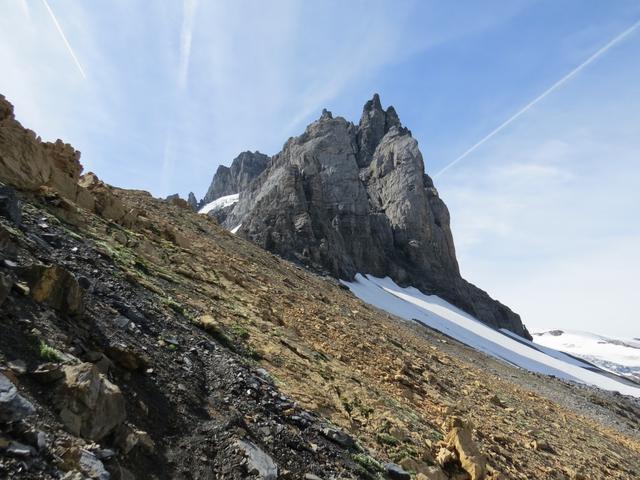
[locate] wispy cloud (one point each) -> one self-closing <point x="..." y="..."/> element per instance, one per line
<point x="542" y="96"/>
<point x="64" y="38"/>
<point x="189" y="8"/>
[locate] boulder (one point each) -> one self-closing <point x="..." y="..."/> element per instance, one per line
<point x="13" y="406"/>
<point x="54" y="286"/>
<point x="396" y="472"/>
<point x="258" y="461"/>
<point x="89" y="405"/>
<point x="459" y="439"/>
<point x="84" y="464"/>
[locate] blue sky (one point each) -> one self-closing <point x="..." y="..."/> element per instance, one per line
<point x="544" y="214"/>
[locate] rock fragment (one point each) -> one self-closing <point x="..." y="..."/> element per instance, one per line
<point x="13" y="406"/>
<point x="258" y="460"/>
<point x="90" y="405"/>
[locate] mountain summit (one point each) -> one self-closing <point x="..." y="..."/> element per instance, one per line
<point x="346" y="199"/>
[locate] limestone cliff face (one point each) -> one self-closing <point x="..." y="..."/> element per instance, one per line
<point x="53" y="168"/>
<point x="229" y="180"/>
<point x="346" y="199"/>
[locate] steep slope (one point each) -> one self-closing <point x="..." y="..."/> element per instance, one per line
<point x="432" y="311"/>
<point x="346" y="199"/>
<point x="190" y="323"/>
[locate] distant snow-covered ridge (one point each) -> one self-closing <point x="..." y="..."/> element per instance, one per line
<point x="220" y="203"/>
<point x="411" y="304"/>
<point x="621" y="356"/>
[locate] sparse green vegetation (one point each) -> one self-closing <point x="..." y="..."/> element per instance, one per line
<point x="370" y="464"/>
<point x="240" y="332"/>
<point x="49" y="353"/>
<point x="173" y="305"/>
<point x="387" y="439"/>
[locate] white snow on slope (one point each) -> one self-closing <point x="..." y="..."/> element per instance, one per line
<point x="234" y="230"/>
<point x="618" y="355"/>
<point x="411" y="304"/>
<point x="219" y="203"/>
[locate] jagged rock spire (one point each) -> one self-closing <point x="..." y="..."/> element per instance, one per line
<point x="374" y="124"/>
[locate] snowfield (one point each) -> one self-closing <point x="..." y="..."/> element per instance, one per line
<point x="617" y="355"/>
<point x="411" y="304"/>
<point x="220" y="203"/>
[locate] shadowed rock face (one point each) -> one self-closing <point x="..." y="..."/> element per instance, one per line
<point x="346" y="199"/>
<point x="229" y="180"/>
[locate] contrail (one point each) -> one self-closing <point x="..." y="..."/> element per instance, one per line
<point x="555" y="86"/>
<point x="64" y="38"/>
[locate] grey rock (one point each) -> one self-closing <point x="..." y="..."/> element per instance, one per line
<point x="91" y="466"/>
<point x="192" y="201"/>
<point x="18" y="449"/>
<point x="229" y="180"/>
<point x="258" y="460"/>
<point x="13" y="406"/>
<point x="19" y="367"/>
<point x="340" y="437"/>
<point x="345" y="199"/>
<point x="10" y="205"/>
<point x="396" y="472"/>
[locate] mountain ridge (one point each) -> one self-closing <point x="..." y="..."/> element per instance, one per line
<point x="344" y="199"/>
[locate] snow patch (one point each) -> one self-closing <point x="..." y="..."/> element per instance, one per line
<point x="235" y="229"/>
<point x="618" y="355"/>
<point x="411" y="304"/>
<point x="220" y="203"/>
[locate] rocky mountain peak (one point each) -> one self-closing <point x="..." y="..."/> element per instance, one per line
<point x="345" y="199"/>
<point x="229" y="180"/>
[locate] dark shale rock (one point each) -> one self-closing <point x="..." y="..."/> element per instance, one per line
<point x="13" y="406"/>
<point x="10" y="205"/>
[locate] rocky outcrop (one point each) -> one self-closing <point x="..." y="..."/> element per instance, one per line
<point x="55" y="287"/>
<point x="229" y="180"/>
<point x="459" y="441"/>
<point x="28" y="163"/>
<point x="89" y="404"/>
<point x="346" y="199"/>
<point x="192" y="201"/>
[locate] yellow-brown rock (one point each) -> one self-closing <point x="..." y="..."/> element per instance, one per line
<point x="459" y="439"/>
